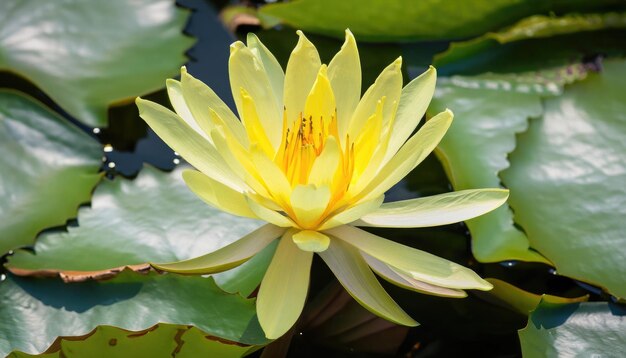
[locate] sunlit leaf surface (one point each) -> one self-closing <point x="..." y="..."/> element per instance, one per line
<point x="48" y="168"/>
<point x="567" y="180"/>
<point x="34" y="312"/>
<point x="154" y="217"/>
<point x="475" y="149"/>
<point x="372" y="20"/>
<point x="594" y="329"/>
<point x="86" y="55"/>
<point x="534" y="27"/>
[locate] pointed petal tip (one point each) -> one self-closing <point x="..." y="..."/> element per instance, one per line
<point x="235" y="46"/>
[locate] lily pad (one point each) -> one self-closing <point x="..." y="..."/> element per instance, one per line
<point x="567" y="180"/>
<point x="594" y="329"/>
<point x="372" y="20"/>
<point x="49" y="167"/>
<point x="153" y="218"/>
<point x="534" y="27"/>
<point x="87" y="55"/>
<point x="131" y="302"/>
<point x="160" y="340"/>
<point x="475" y="149"/>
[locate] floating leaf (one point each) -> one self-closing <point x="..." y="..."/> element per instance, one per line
<point x="534" y="27"/>
<point x="475" y="149"/>
<point x="131" y="302"/>
<point x="49" y="167"/>
<point x="406" y="19"/>
<point x="594" y="329"/>
<point x="87" y="55"/>
<point x="153" y="218"/>
<point x="567" y="180"/>
<point x="506" y="295"/>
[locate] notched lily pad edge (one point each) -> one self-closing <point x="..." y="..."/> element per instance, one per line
<point x="56" y="346"/>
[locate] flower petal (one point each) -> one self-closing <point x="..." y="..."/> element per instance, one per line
<point x="414" y="100"/>
<point x="269" y="215"/>
<point x="200" y="97"/>
<point x="321" y="100"/>
<point x="347" y="216"/>
<point x="442" y="209"/>
<point x="388" y="85"/>
<point x="217" y="194"/>
<point x="344" y="73"/>
<point x="175" y="93"/>
<point x="309" y="240"/>
<point x="302" y="68"/>
<point x="408" y="157"/>
<point x="270" y="64"/>
<point x="404" y="280"/>
<point x="420" y="265"/>
<point x="188" y="143"/>
<point x="356" y="277"/>
<point x="227" y="257"/>
<point x="309" y="203"/>
<point x="247" y="72"/>
<point x="325" y="166"/>
<point x="284" y="288"/>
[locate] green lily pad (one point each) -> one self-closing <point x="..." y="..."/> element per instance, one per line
<point x="131" y="302"/>
<point x="49" y="167"/>
<point x="594" y="329"/>
<point x="475" y="149"/>
<point x="160" y="340"/>
<point x="372" y="20"/>
<point x="567" y="180"/>
<point x="153" y="218"/>
<point x="533" y="27"/>
<point x="87" y="55"/>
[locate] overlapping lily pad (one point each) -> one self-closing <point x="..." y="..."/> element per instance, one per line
<point x="49" y="167"/>
<point x="86" y="55"/>
<point x="533" y="27"/>
<point x="567" y="180"/>
<point x="161" y="340"/>
<point x="34" y="312"/>
<point x="405" y="19"/>
<point x="594" y="329"/>
<point x="153" y="218"/>
<point x="475" y="149"/>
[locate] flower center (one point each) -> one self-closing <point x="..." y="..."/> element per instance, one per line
<point x="305" y="141"/>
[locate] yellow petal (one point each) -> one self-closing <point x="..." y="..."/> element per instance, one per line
<point x="356" y="277"/>
<point x="273" y="178"/>
<point x="175" y="93"/>
<point x="309" y="203"/>
<point x="419" y="264"/>
<point x="409" y="156"/>
<point x="272" y="68"/>
<point x="344" y="73"/>
<point x="325" y="166"/>
<point x="254" y="127"/>
<point x="188" y="143"/>
<point x="217" y="194"/>
<point x="389" y="85"/>
<point x="199" y="98"/>
<point x="436" y="210"/>
<point x="346" y="216"/>
<point x="227" y="257"/>
<point x="269" y="215"/>
<point x="414" y="100"/>
<point x="309" y="240"/>
<point x="302" y="68"/>
<point x="321" y="100"/>
<point x="284" y="288"/>
<point x="247" y="72"/>
<point x="404" y="280"/>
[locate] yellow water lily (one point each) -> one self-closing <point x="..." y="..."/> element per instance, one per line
<point x="313" y="159"/>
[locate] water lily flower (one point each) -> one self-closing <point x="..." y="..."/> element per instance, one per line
<point x="313" y="159"/>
